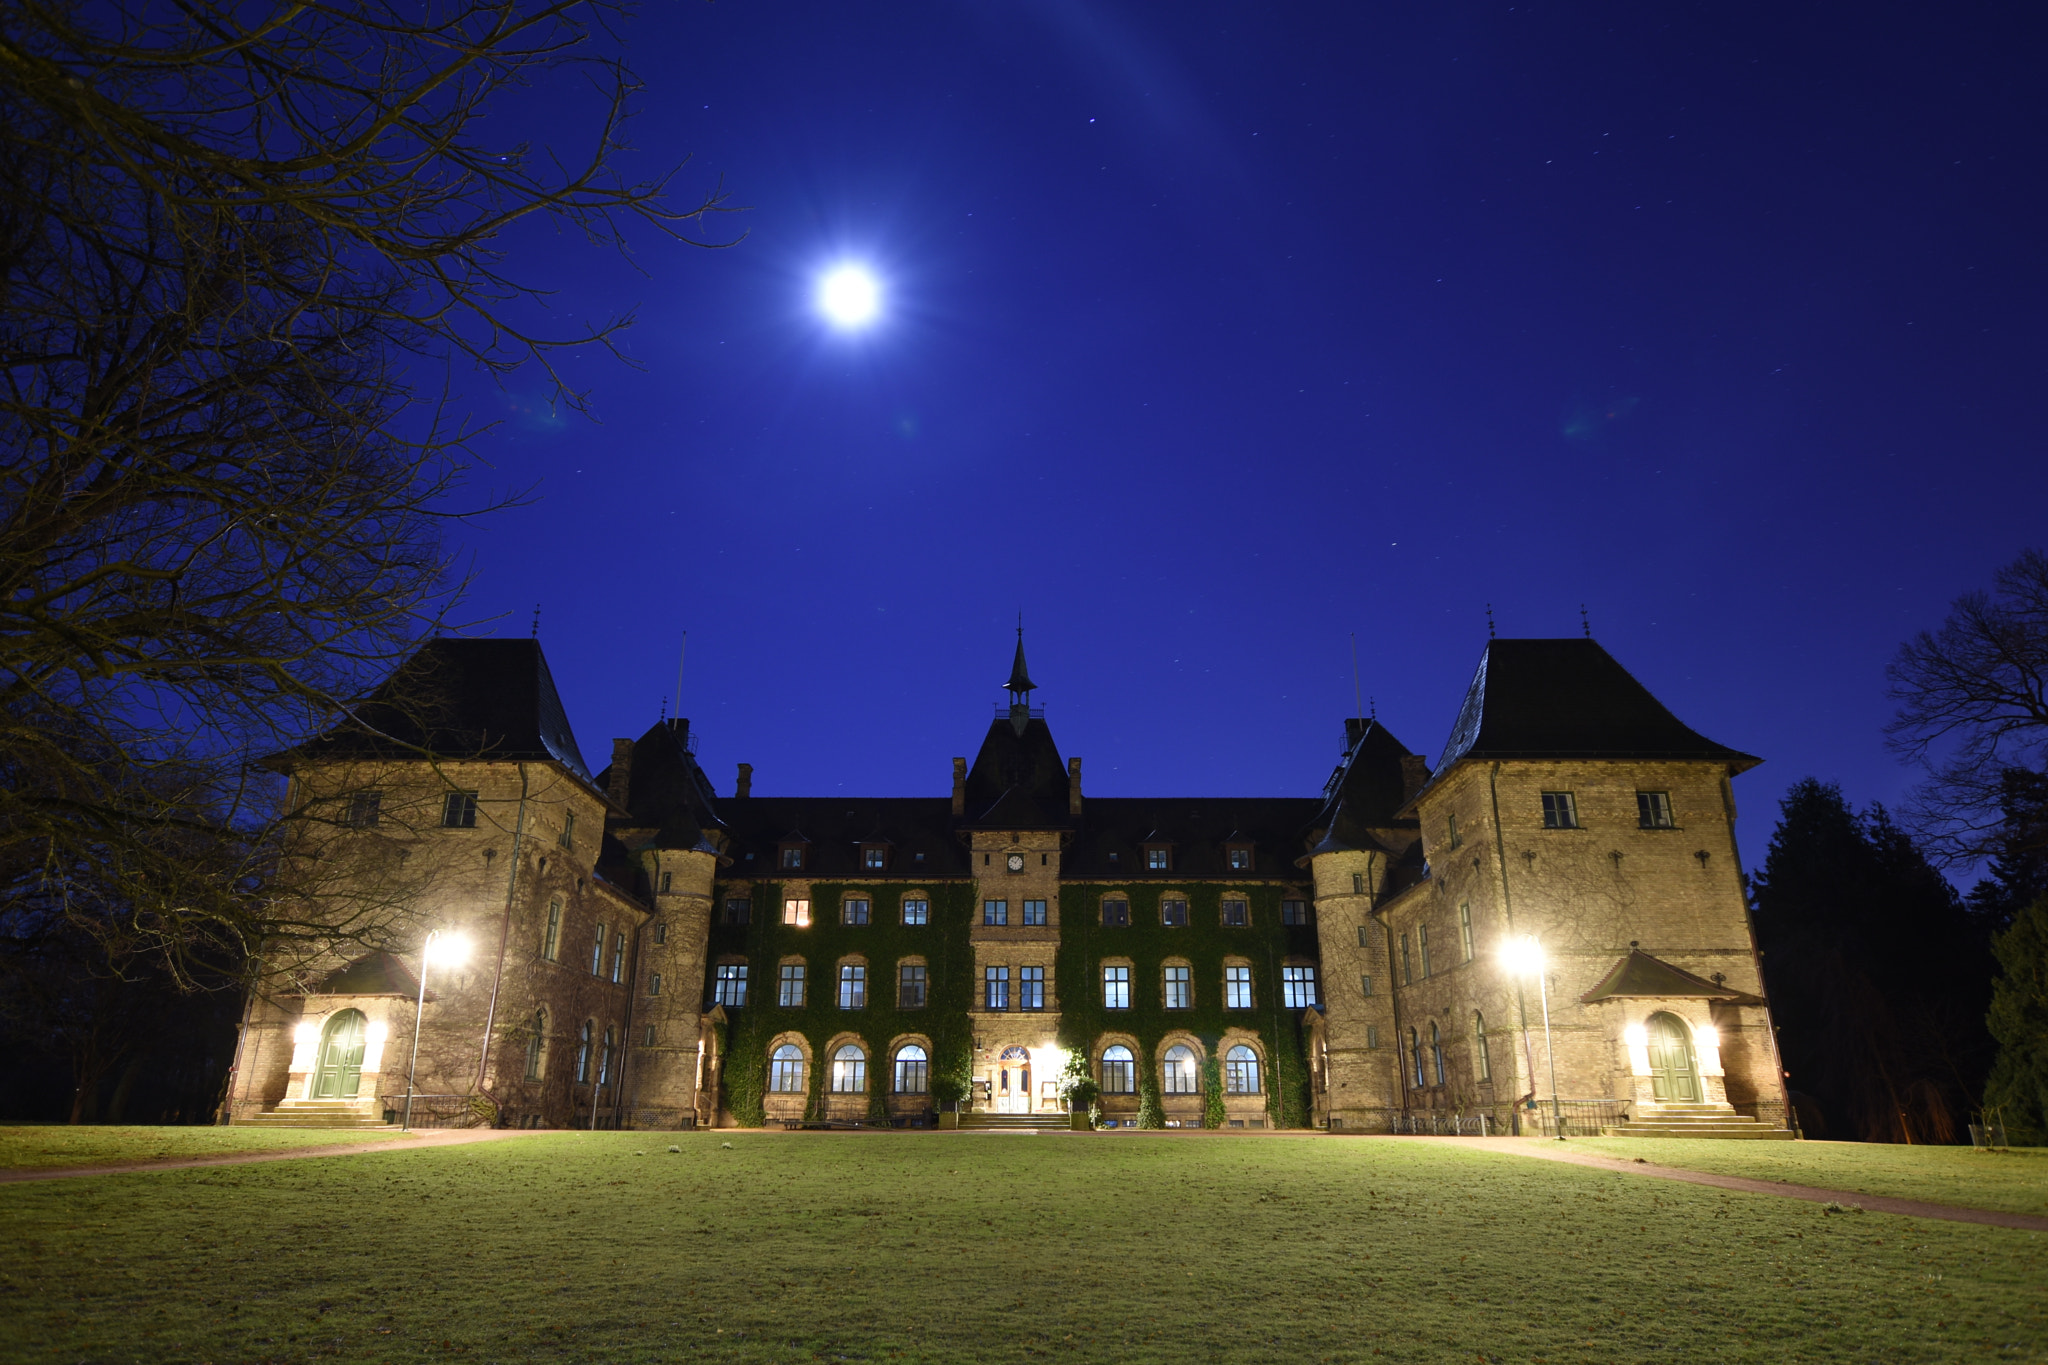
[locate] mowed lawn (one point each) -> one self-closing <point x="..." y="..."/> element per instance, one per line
<point x="36" y="1146"/>
<point x="2014" y="1181"/>
<point x="967" y="1247"/>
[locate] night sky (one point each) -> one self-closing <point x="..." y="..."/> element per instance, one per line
<point x="1213" y="334"/>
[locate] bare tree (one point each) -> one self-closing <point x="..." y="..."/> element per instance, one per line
<point x="227" y="234"/>
<point x="1973" y="706"/>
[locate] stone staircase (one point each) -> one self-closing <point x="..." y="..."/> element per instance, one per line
<point x="1016" y="1123"/>
<point x="348" y="1115"/>
<point x="1694" y="1121"/>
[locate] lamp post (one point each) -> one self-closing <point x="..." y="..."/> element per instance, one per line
<point x="448" y="950"/>
<point x="1524" y="956"/>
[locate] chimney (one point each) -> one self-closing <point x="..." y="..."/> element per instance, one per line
<point x="621" y="783"/>
<point x="743" y="785"/>
<point x="1073" y="786"/>
<point x="1414" y="772"/>
<point x="959" y="787"/>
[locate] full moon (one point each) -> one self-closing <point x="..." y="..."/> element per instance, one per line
<point x="849" y="296"/>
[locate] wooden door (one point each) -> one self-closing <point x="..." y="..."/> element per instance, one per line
<point x="1674" y="1075"/>
<point x="340" y="1072"/>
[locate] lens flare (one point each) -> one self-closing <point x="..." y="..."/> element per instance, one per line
<point x="849" y="296"/>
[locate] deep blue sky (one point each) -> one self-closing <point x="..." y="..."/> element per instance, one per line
<point x="1216" y="333"/>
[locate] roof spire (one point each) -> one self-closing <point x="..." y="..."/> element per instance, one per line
<point x="534" y="634"/>
<point x="1489" y="620"/>
<point x="1585" y="622"/>
<point x="1020" y="685"/>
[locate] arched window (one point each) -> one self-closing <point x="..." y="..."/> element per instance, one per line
<point x="1480" y="1054"/>
<point x="1119" y="1071"/>
<point x="1415" y="1053"/>
<point x="913" y="1070"/>
<point x="583" y="1037"/>
<point x="849" y="1071"/>
<point x="1179" y="1070"/>
<point x="786" y="1070"/>
<point x="537" y="1046"/>
<point x="1240" y="1071"/>
<point x="1436" y="1052"/>
<point x="607" y="1058"/>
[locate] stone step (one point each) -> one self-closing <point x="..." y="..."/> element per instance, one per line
<point x="351" y="1124"/>
<point x="1739" y="1127"/>
<point x="1050" y="1123"/>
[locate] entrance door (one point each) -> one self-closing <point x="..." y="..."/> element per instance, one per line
<point x="1674" y="1075"/>
<point x="340" y="1071"/>
<point x="1013" y="1082"/>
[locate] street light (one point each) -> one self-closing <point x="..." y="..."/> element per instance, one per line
<point x="449" y="950"/>
<point x="1524" y="957"/>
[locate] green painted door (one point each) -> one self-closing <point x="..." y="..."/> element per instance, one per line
<point x="1674" y="1076"/>
<point x="340" y="1072"/>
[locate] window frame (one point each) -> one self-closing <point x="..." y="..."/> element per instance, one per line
<point x="1173" y="912"/>
<point x="1299" y="989"/>
<point x="1465" y="929"/>
<point x="1560" y="810"/>
<point x="737" y="912"/>
<point x="1482" y="1055"/>
<point x="1122" y="918"/>
<point x="729" y="985"/>
<point x="796" y="912"/>
<point x="919" y="1068"/>
<point x="1116" y="986"/>
<point x="904" y="981"/>
<point x="458" y="810"/>
<point x="1653" y="810"/>
<point x="1158" y="857"/>
<point x="923" y="913"/>
<point x="1294" y="913"/>
<point x="874" y="857"/>
<point x="1115" y="1069"/>
<point x="859" y="918"/>
<point x="1031" y="988"/>
<point x="1172" y="975"/>
<point x="852" y="992"/>
<point x="1238" y="905"/>
<point x="1237" y="986"/>
<point x="995" y="913"/>
<point x="1180" y="1075"/>
<point x="1235" y="1070"/>
<point x="792" y="985"/>
<point x="995" y="989"/>
<point x="849" y="1074"/>
<point x="1034" y="914"/>
<point x="787" y="1073"/>
<point x="364" y="810"/>
<point x="551" y="932"/>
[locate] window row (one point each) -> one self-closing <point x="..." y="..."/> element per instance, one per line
<point x="914" y="911"/>
<point x="1179" y="1071"/>
<point x="1561" y="811"/>
<point x="1177" y="989"/>
<point x="788" y="1071"/>
<point x="613" y="967"/>
<point x="597" y="1054"/>
<point x="1425" y="1061"/>
<point x="1232" y="912"/>
<point x="1417" y="964"/>
<point x="792" y="985"/>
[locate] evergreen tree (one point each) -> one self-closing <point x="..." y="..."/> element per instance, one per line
<point x="1878" y="975"/>
<point x="2018" y="1087"/>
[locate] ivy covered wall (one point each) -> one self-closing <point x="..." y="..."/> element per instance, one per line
<point x="764" y="941"/>
<point x="1203" y="943"/>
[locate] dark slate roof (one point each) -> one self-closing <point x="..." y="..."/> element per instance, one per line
<point x="1197" y="827"/>
<point x="491" y="699"/>
<point x="835" y="827"/>
<point x="1639" y="974"/>
<point x="1568" y="699"/>
<point x="668" y="799"/>
<point x="1018" y="781"/>
<point x="1366" y="792"/>
<point x="372" y="974"/>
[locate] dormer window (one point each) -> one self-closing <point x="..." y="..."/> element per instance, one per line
<point x="874" y="857"/>
<point x="792" y="859"/>
<point x="1159" y="857"/>
<point x="1238" y="856"/>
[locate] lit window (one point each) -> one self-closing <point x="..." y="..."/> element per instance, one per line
<point x="1178" y="994"/>
<point x="597" y="953"/>
<point x="362" y="810"/>
<point x="874" y="857"/>
<point x="1237" y="914"/>
<point x="568" y="835"/>
<point x="1479" y="1051"/>
<point x="654" y="983"/>
<point x="913" y="1070"/>
<point x="1422" y="948"/>
<point x="849" y="1071"/>
<point x="995" y="912"/>
<point x="786" y="1070"/>
<point x="1173" y="914"/>
<point x="996" y="988"/>
<point x="1177" y="1071"/>
<point x="789" y="987"/>
<point x="1240" y="1071"/>
<point x="917" y="911"/>
<point x="1560" y="811"/>
<point x="1294" y="912"/>
<point x="911" y="984"/>
<point x="1116" y="988"/>
<point x="730" y="985"/>
<point x="1119" y="1071"/>
<point x="1436" y="1052"/>
<point x="738" y="912"/>
<point x="793" y="857"/>
<point x="1237" y="988"/>
<point x="1465" y="928"/>
<point x="1159" y="857"/>
<point x="458" y="811"/>
<point x="551" y="937"/>
<point x="1298" y="988"/>
<point x="1034" y="912"/>
<point x="853" y="986"/>
<point x="1653" y="810"/>
<point x="537" y="1046"/>
<point x="1116" y="914"/>
<point x="853" y="912"/>
<point x="797" y="912"/>
<point x="1239" y="856"/>
<point x="1031" y="988"/>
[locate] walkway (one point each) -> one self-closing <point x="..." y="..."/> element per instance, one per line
<point x="453" y="1137"/>
<point x="1875" y="1203"/>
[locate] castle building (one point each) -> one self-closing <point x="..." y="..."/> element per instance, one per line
<point x="645" y="952"/>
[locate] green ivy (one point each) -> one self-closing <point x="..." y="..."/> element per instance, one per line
<point x="1212" y="1091"/>
<point x="1203" y="943"/>
<point x="764" y="941"/>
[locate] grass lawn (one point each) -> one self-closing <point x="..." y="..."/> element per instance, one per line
<point x="2012" y="1181"/>
<point x="946" y="1247"/>
<point x="47" y="1146"/>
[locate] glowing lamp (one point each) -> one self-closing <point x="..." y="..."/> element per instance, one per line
<point x="849" y="296"/>
<point x="1523" y="956"/>
<point x="376" y="1033"/>
<point x="1706" y="1035"/>
<point x="1637" y="1035"/>
<point x="447" y="950"/>
<point x="306" y="1032"/>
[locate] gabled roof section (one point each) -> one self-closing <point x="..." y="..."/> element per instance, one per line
<point x="1568" y="699"/>
<point x="667" y="792"/>
<point x="1367" y="791"/>
<point x="372" y="974"/>
<point x="1018" y="779"/>
<point x="1642" y="976"/>
<point x="471" y="699"/>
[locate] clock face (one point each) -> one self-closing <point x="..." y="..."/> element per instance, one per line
<point x="1016" y="862"/>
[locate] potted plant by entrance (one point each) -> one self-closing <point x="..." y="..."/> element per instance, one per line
<point x="1081" y="1097"/>
<point x="948" y="1091"/>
